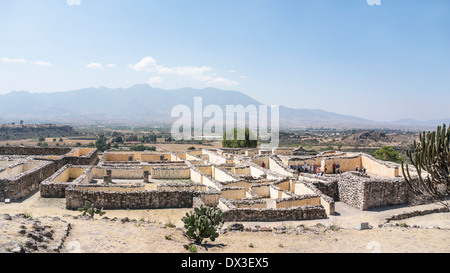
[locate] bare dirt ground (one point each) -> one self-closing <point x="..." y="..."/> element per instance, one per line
<point x="161" y="231"/>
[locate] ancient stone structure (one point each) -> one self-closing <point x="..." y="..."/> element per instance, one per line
<point x="22" y="169"/>
<point x="248" y="185"/>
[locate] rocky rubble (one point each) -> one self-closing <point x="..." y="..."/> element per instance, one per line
<point x="20" y="233"/>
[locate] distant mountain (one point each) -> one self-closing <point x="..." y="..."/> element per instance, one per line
<point x="142" y="104"/>
<point x="419" y="123"/>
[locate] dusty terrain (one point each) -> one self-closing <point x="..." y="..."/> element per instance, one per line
<point x="161" y="231"/>
<point x="21" y="233"/>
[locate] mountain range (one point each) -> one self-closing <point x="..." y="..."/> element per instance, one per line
<point x="142" y="104"/>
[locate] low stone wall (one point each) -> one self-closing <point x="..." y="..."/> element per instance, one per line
<point x="307" y="187"/>
<point x="297" y="201"/>
<point x="89" y="159"/>
<point x="25" y="183"/>
<point x="52" y="189"/>
<point x="119" y="172"/>
<point x="234" y="214"/>
<point x="171" y="173"/>
<point x="14" y="150"/>
<point x="209" y="196"/>
<point x="328" y="188"/>
<point x="415" y="213"/>
<point x="275" y="164"/>
<point x="75" y="198"/>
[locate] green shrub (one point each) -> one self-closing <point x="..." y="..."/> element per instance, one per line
<point x="88" y="209"/>
<point x="203" y="223"/>
<point x="192" y="249"/>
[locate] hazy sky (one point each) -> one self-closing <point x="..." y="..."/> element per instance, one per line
<point x="381" y="62"/>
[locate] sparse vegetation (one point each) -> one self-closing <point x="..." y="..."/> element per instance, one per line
<point x="192" y="249"/>
<point x="333" y="228"/>
<point x="431" y="160"/>
<point x="203" y="223"/>
<point x="169" y="224"/>
<point x="88" y="209"/>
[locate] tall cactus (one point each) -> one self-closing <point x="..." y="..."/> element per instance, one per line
<point x="431" y="159"/>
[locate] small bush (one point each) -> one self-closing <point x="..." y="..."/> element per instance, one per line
<point x="88" y="209"/>
<point x="203" y="223"/>
<point x="192" y="249"/>
<point x="169" y="225"/>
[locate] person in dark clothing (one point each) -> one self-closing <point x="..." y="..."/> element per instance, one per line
<point x="334" y="168"/>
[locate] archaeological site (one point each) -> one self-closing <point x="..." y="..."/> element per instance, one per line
<point x="247" y="184"/>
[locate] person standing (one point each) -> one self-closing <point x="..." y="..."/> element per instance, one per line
<point x="334" y="168"/>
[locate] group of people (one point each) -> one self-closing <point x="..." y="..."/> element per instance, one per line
<point x="315" y="169"/>
<point x="363" y="169"/>
<point x="305" y="168"/>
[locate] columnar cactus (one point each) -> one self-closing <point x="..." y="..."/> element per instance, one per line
<point x="431" y="158"/>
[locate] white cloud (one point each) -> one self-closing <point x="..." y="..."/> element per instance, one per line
<point x="146" y="64"/>
<point x="95" y="66"/>
<point x="232" y="71"/>
<point x="41" y="63"/>
<point x="112" y="65"/>
<point x="8" y="60"/>
<point x="197" y="73"/>
<point x="155" y="80"/>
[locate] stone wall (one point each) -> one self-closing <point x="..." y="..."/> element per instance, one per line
<point x="171" y="173"/>
<point x="81" y="158"/>
<point x="366" y="193"/>
<point x="384" y="192"/>
<point x="13" y="150"/>
<point x="75" y="198"/>
<point x="329" y="188"/>
<point x="25" y="183"/>
<point x="235" y="214"/>
<point x="53" y="187"/>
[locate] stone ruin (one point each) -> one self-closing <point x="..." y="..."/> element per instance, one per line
<point x="248" y="185"/>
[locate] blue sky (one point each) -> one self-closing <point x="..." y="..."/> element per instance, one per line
<point x="383" y="62"/>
